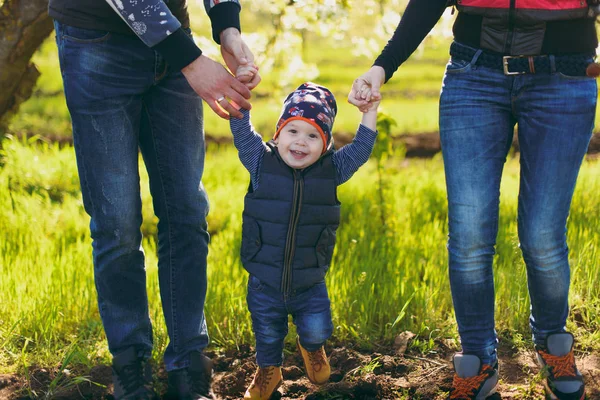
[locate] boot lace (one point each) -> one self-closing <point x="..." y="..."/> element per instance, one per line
<point x="317" y="359"/>
<point x="131" y="377"/>
<point x="263" y="377"/>
<point x="465" y="388"/>
<point x="560" y="366"/>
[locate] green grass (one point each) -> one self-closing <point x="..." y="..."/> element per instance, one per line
<point x="412" y="95"/>
<point x="384" y="279"/>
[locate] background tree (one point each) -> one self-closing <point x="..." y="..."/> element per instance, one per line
<point x="24" y="24"/>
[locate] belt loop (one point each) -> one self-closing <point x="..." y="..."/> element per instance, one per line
<point x="531" y="61"/>
<point x="552" y="64"/>
<point x="476" y="56"/>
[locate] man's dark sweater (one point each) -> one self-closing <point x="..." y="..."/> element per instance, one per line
<point x="159" y="24"/>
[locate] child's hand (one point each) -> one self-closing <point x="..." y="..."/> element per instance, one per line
<point x="246" y="72"/>
<point x="372" y="104"/>
<point x="369" y="109"/>
<point x="365" y="94"/>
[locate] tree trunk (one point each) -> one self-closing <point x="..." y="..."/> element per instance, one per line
<point x="24" y="24"/>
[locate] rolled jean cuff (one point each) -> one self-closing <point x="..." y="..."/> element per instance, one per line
<point x="312" y="346"/>
<point x="539" y="336"/>
<point x="487" y="355"/>
<point x="269" y="360"/>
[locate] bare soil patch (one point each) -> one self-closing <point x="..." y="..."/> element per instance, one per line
<point x="356" y="374"/>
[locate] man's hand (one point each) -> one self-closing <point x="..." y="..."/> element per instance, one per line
<point x="365" y="89"/>
<point x="216" y="86"/>
<point x="236" y="53"/>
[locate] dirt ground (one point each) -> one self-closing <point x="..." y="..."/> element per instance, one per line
<point x="355" y="375"/>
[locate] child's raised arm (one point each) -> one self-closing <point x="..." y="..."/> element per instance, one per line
<point x="249" y="144"/>
<point x="351" y="157"/>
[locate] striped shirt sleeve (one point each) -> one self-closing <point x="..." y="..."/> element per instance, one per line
<point x="351" y="157"/>
<point x="249" y="144"/>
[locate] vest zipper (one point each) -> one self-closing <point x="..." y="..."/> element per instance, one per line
<point x="290" y="244"/>
<point x="511" y="28"/>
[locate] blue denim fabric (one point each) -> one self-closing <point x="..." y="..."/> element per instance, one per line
<point x="122" y="96"/>
<point x="479" y="108"/>
<point x="310" y="310"/>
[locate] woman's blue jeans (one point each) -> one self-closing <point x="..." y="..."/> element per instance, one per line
<point x="479" y="108"/>
<point x="123" y="97"/>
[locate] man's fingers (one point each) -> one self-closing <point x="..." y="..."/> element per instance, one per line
<point x="228" y="106"/>
<point x="215" y="106"/>
<point x="239" y="99"/>
<point x="215" y="85"/>
<point x="240" y="88"/>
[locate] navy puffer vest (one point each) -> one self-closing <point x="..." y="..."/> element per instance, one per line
<point x="289" y="223"/>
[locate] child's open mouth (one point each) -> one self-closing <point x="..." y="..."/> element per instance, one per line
<point x="298" y="154"/>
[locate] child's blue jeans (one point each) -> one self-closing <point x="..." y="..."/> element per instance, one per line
<point x="310" y="310"/>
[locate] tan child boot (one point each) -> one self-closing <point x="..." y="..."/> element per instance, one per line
<point x="316" y="364"/>
<point x="265" y="383"/>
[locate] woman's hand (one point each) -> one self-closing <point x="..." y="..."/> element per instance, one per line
<point x="365" y="89"/>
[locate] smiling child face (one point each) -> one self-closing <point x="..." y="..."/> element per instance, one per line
<point x="300" y="144"/>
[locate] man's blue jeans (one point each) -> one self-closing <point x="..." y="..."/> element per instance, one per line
<point x="479" y="108"/>
<point x="122" y="96"/>
<point x="310" y="310"/>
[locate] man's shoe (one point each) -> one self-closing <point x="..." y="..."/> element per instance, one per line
<point x="316" y="364"/>
<point x="192" y="382"/>
<point x="265" y="383"/>
<point x="132" y="376"/>
<point x="563" y="380"/>
<point x="472" y="380"/>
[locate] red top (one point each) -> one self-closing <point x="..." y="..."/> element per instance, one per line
<point x="527" y="4"/>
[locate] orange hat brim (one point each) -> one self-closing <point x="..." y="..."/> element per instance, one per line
<point x="310" y="121"/>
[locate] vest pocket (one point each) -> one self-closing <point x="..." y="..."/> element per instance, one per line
<point x="251" y="241"/>
<point x="325" y="245"/>
<point x="255" y="284"/>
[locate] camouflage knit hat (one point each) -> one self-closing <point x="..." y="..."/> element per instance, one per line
<point x="311" y="103"/>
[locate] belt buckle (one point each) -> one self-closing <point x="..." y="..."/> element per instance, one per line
<point x="505" y="65"/>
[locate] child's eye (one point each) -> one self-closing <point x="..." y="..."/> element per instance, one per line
<point x="313" y="136"/>
<point x="292" y="131"/>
